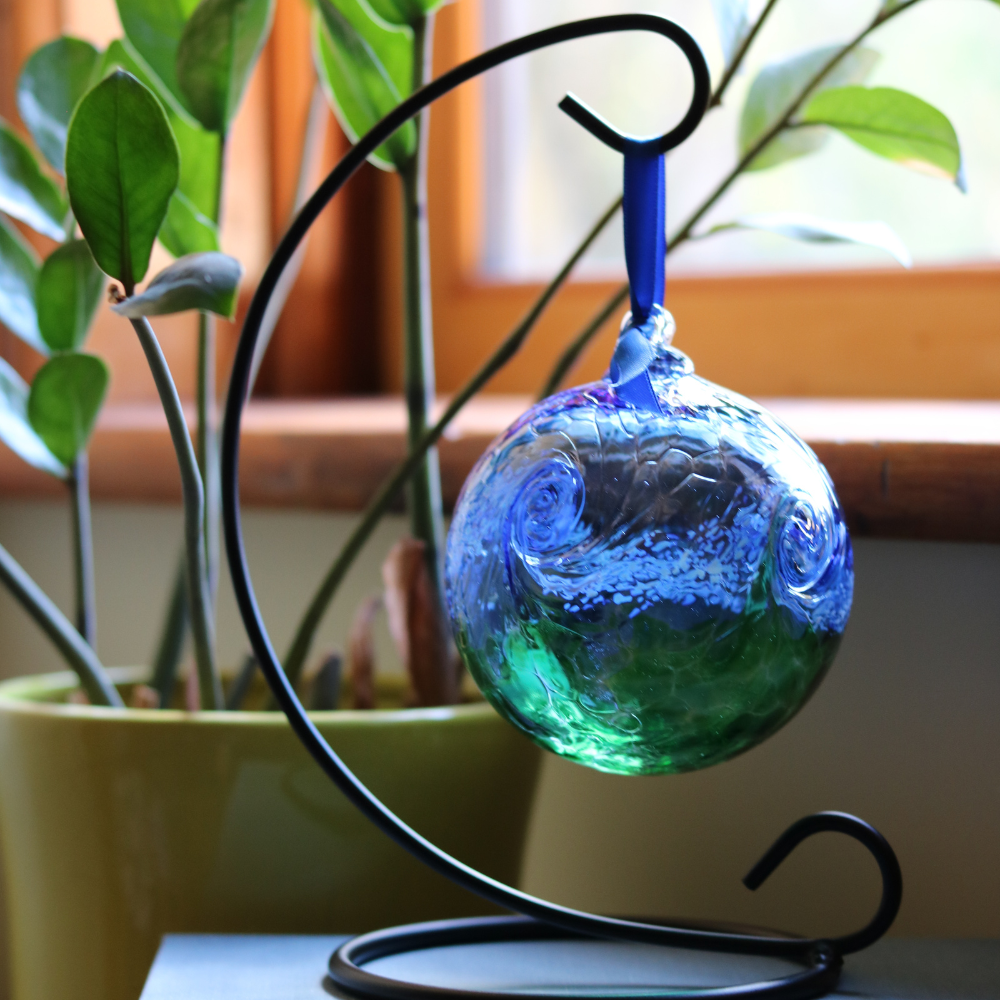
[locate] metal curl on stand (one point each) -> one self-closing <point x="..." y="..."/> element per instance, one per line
<point x="540" y="919"/>
<point x="888" y="864"/>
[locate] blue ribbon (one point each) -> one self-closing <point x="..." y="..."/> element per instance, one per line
<point x="644" y="210"/>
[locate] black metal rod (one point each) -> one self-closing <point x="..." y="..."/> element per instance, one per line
<point x="568" y="920"/>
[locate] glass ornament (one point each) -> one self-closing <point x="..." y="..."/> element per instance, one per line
<point x="648" y="592"/>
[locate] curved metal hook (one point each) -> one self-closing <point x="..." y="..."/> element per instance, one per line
<point x="838" y="822"/>
<point x="622" y="143"/>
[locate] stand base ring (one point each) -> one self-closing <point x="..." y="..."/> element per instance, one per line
<point x="819" y="975"/>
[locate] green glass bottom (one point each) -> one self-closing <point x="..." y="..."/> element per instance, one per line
<point x="648" y="698"/>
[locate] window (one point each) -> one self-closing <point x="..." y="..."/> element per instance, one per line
<point x="932" y="332"/>
<point x="546" y="178"/>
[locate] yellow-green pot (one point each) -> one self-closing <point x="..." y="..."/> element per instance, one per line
<point x="121" y="825"/>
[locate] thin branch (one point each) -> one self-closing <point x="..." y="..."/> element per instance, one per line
<point x="193" y="494"/>
<point x="77" y="653"/>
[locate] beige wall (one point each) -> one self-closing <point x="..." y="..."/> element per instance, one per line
<point x="905" y="732"/>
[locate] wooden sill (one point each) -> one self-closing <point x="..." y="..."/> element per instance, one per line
<point x="903" y="469"/>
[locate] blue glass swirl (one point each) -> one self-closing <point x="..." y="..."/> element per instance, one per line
<point x="649" y="592"/>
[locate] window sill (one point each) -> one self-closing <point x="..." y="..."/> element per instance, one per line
<point x="903" y="469"/>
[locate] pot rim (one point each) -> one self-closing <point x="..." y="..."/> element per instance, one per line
<point x="19" y="695"/>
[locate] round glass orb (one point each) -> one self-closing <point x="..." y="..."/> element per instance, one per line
<point x="648" y="593"/>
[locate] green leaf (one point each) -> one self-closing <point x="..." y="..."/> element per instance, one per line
<point x="893" y="124"/>
<point x="185" y="230"/>
<point x="154" y="27"/>
<point x="15" y="430"/>
<point x="25" y="192"/>
<point x="732" y="19"/>
<point x="50" y="86"/>
<point x="365" y="73"/>
<point x="217" y="54"/>
<point x="121" y="169"/>
<point x="813" y="229"/>
<point x="199" y="148"/>
<point x="776" y="88"/>
<point x="403" y="11"/>
<point x="204" y="281"/>
<point x="64" y="401"/>
<point x="68" y="294"/>
<point x="18" y="278"/>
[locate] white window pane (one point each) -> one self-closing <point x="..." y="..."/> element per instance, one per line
<point x="547" y="179"/>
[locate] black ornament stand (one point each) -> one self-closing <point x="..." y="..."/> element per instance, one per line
<point x="820" y="959"/>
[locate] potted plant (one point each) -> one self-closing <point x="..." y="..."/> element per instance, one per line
<point x="155" y="819"/>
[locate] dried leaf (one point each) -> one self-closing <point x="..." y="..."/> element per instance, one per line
<point x="143" y="696"/>
<point x="417" y="625"/>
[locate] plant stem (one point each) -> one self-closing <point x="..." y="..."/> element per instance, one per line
<point x="208" y="429"/>
<point x="77" y="653"/>
<point x="192" y="490"/>
<point x="171" y="645"/>
<point x="83" y="551"/>
<point x="425" y="507"/>
<point x="208" y="447"/>
<point x="580" y="342"/>
<point x="305" y="633"/>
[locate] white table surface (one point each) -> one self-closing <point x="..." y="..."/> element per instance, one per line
<point x="272" y="967"/>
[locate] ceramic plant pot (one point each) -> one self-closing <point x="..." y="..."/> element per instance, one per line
<point x="119" y="826"/>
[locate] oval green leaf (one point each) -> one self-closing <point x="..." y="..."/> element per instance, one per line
<point x="217" y="54"/>
<point x="893" y="124"/>
<point x="64" y="401"/>
<point x="68" y="294"/>
<point x="199" y="148"/>
<point x="185" y="230"/>
<point x="204" y="281"/>
<point x="18" y="278"/>
<point x="813" y="229"/>
<point x="50" y="86"/>
<point x="365" y="73"/>
<point x="122" y="167"/>
<point x="776" y="88"/>
<point x="25" y="192"/>
<point x="154" y="27"/>
<point x="15" y="430"/>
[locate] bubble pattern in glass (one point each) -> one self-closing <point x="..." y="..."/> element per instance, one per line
<point x="649" y="593"/>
